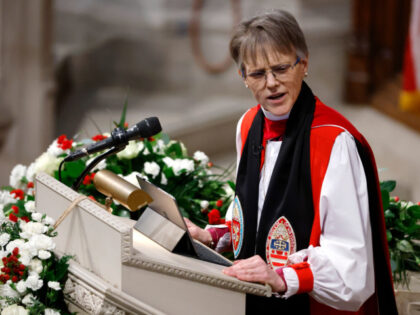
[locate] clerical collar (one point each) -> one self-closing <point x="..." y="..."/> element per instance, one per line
<point x="273" y="117"/>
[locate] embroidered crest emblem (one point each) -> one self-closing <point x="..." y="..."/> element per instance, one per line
<point x="237" y="227"/>
<point x="281" y="243"/>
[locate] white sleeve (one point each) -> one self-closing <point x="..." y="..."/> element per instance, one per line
<point x="342" y="266"/>
<point x="239" y="142"/>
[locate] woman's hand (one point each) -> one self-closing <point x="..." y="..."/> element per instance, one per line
<point x="198" y="233"/>
<point x="255" y="269"/>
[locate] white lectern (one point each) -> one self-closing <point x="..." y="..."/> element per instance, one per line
<point x="117" y="270"/>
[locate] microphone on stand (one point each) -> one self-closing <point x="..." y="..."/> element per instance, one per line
<point x="119" y="138"/>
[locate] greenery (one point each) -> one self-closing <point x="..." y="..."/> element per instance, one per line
<point x="403" y="233"/>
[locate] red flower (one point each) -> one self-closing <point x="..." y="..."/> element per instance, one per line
<point x="219" y="203"/>
<point x="91" y="197"/>
<point x="15" y="279"/>
<point x="64" y="143"/>
<point x="214" y="217"/>
<point x="396" y="198"/>
<point x="13" y="218"/>
<point x="15" y="251"/>
<point x="15" y="209"/>
<point x="98" y="137"/>
<point x="210" y="164"/>
<point x="126" y="125"/>
<point x="22" y="267"/>
<point x="88" y="179"/>
<point x="18" y="194"/>
<point x="418" y="203"/>
<point x="30" y="185"/>
<point x="61" y="139"/>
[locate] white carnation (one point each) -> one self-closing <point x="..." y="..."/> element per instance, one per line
<point x="15" y="179"/>
<point x="48" y="221"/>
<point x="131" y="150"/>
<point x="36" y="216"/>
<point x="35" y="265"/>
<point x="201" y="157"/>
<point x="168" y="161"/>
<point x="152" y="168"/>
<point x="146" y="151"/>
<point x="55" y="285"/>
<point x="160" y="147"/>
<point x="32" y="228"/>
<point x="33" y="282"/>
<point x="2" y="217"/>
<point x="15" y="243"/>
<point x="204" y="204"/>
<point x="4" y="239"/>
<point x="229" y="191"/>
<point x="14" y="310"/>
<point x="44" y="254"/>
<point x="41" y="241"/>
<point x="7" y="291"/>
<point x="30" y="173"/>
<point x="183" y="164"/>
<point x="54" y="149"/>
<point x="50" y="311"/>
<point x="28" y="300"/>
<point x="6" y="197"/>
<point x="30" y="206"/>
<point x="21" y="286"/>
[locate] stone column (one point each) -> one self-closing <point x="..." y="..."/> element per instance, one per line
<point x="26" y="82"/>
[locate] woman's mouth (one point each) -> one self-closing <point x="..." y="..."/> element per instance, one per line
<point x="276" y="96"/>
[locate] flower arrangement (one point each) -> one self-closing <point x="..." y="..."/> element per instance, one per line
<point x="403" y="233"/>
<point x="31" y="275"/>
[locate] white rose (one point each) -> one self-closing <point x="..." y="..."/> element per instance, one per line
<point x="151" y="168"/>
<point x="50" y="311"/>
<point x="131" y="150"/>
<point x="36" y="216"/>
<point x="6" y="197"/>
<point x="35" y="265"/>
<point x="28" y="300"/>
<point x="204" y="204"/>
<point x="4" y="239"/>
<point x="21" y="286"/>
<point x="15" y="179"/>
<point x="168" y="161"/>
<point x="14" y="310"/>
<point x="55" y="285"/>
<point x="33" y="282"/>
<point x="30" y="206"/>
<point x="163" y="180"/>
<point x="201" y="157"/>
<point x="100" y="166"/>
<point x="47" y="163"/>
<point x="43" y="254"/>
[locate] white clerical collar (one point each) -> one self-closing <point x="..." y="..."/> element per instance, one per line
<point x="273" y="117"/>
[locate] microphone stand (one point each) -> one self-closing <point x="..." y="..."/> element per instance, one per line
<point x="95" y="162"/>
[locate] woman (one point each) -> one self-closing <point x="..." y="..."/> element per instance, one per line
<point x="307" y="217"/>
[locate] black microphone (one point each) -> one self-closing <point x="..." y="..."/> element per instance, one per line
<point x="119" y="138"/>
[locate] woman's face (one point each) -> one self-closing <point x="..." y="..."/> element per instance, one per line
<point x="276" y="80"/>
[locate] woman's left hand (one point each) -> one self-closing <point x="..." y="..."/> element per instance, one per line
<point x="255" y="269"/>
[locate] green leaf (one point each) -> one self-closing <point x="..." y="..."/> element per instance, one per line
<point x="388" y="235"/>
<point x="388" y="185"/>
<point x="123" y="114"/>
<point x="74" y="168"/>
<point x="389" y="214"/>
<point x="385" y="198"/>
<point x="414" y="211"/>
<point x="405" y="246"/>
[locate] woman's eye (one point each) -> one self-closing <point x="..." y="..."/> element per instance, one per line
<point x="257" y="74"/>
<point x="281" y="69"/>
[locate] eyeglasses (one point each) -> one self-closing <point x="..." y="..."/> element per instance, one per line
<point x="279" y="72"/>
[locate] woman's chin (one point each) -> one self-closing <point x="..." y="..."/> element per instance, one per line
<point x="278" y="110"/>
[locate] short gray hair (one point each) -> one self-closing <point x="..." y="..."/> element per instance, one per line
<point x="276" y="30"/>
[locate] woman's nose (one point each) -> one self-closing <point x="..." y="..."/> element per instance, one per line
<point x="271" y="79"/>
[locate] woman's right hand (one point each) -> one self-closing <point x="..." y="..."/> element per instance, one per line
<point x="198" y="233"/>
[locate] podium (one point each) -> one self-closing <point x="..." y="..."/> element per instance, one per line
<point x="118" y="270"/>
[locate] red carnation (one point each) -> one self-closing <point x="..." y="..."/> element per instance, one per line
<point x="18" y="193"/>
<point x="13" y="218"/>
<point x="15" y="209"/>
<point x="214" y="217"/>
<point x="91" y="197"/>
<point x="61" y="139"/>
<point x="15" y="279"/>
<point x="88" y="179"/>
<point x="219" y="203"/>
<point x="30" y="185"/>
<point x="25" y="218"/>
<point x="396" y="198"/>
<point x="64" y="143"/>
<point x="98" y="137"/>
<point x="15" y="251"/>
<point x="210" y="164"/>
<point x="418" y="203"/>
<point x="126" y="125"/>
